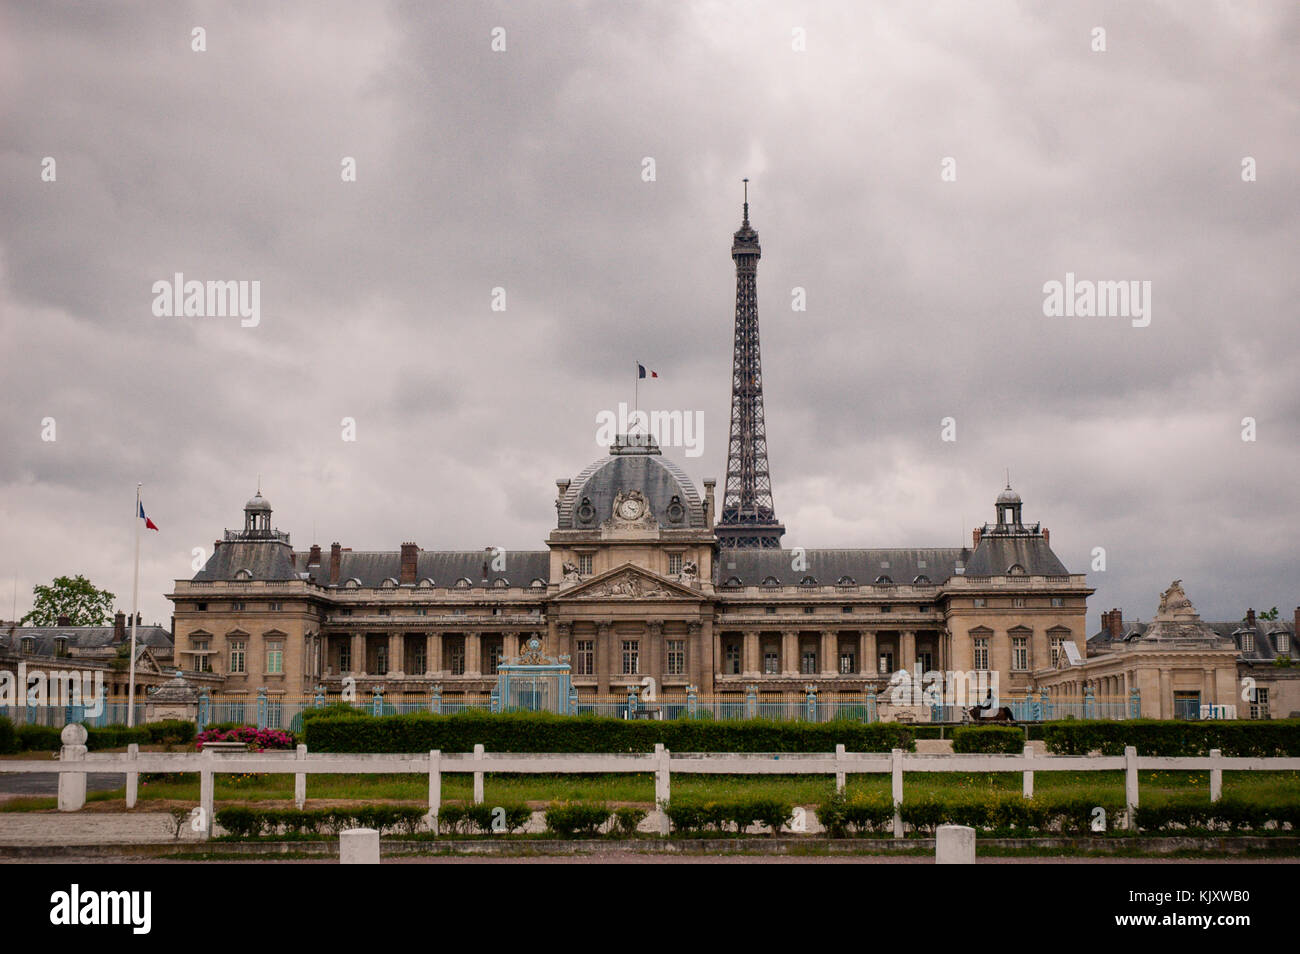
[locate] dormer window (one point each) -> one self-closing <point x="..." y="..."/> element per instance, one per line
<point x="1015" y="570"/>
<point x="884" y="581"/>
<point x="846" y="581"/>
<point x="389" y="583"/>
<point x="60" y="645"/>
<point x="921" y="580"/>
<point x="771" y="581"/>
<point x="1283" y="642"/>
<point x="500" y="583"/>
<point x="244" y="574"/>
<point x="808" y="581"/>
<point x="463" y="583"/>
<point x="1247" y="642"/>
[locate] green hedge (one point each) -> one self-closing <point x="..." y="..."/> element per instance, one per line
<point x="860" y="814"/>
<point x="1263" y="739"/>
<point x="245" y="822"/>
<point x="994" y="739"/>
<point x="8" y="737"/>
<point x="1231" y="813"/>
<point x="570" y="819"/>
<point x="690" y="817"/>
<point x="44" y="738"/>
<point x="543" y="732"/>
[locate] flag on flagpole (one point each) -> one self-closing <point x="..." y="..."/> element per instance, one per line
<point x="149" y="524"/>
<point x="641" y="371"/>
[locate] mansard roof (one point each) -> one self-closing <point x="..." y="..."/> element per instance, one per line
<point x="263" y="559"/>
<point x="631" y="468"/>
<point x="82" y="637"/>
<point x="996" y="555"/>
<point x="901" y="566"/>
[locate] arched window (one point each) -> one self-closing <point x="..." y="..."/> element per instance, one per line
<point x="847" y="581"/>
<point x="500" y="583"/>
<point x="244" y="574"/>
<point x="1015" y="570"/>
<point x="922" y="580"/>
<point x="389" y="583"/>
<point x="808" y="581"/>
<point x="427" y="582"/>
<point x="884" y="581"/>
<point x="352" y="584"/>
<point x="733" y="581"/>
<point x="771" y="581"/>
<point x="463" y="583"/>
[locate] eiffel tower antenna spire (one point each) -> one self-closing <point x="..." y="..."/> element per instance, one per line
<point x="748" y="518"/>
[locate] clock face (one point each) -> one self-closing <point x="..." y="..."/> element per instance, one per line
<point x="631" y="508"/>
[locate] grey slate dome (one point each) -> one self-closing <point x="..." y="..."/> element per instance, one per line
<point x="258" y="503"/>
<point x="1009" y="496"/>
<point x="632" y="464"/>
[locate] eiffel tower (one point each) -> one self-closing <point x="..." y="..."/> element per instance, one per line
<point x="748" y="518"/>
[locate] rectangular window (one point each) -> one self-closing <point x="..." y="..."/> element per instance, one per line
<point x="771" y="611"/>
<point x="886" y="663"/>
<point x="676" y="657"/>
<point x="1056" y="650"/>
<point x="1259" y="707"/>
<point x="1284" y="642"/>
<point x="925" y="660"/>
<point x="586" y="657"/>
<point x="275" y="607"/>
<point x="981" y="654"/>
<point x="1018" y="602"/>
<point x="1058" y="601"/>
<point x="1187" y="705"/>
<point x="631" y="657"/>
<point x="674" y="564"/>
<point x="419" y="660"/>
<point x="238" y="648"/>
<point x="808" y="662"/>
<point x="456" y="660"/>
<point x="980" y="602"/>
<point x="421" y="611"/>
<point x="584" y="564"/>
<point x="1020" y="653"/>
<point x="885" y="609"/>
<point x="808" y="610"/>
<point x="733" y="660"/>
<point x="345" y="657"/>
<point x="201" y="663"/>
<point x="848" y="662"/>
<point x="274" y="659"/>
<point x="494" y="659"/>
<point x="236" y="607"/>
<point x="201" y="607"/>
<point x="1247" y="642"/>
<point x="771" y="662"/>
<point x="381" y="660"/>
<point x="846" y="609"/>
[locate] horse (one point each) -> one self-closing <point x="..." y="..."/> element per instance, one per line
<point x="1002" y="714"/>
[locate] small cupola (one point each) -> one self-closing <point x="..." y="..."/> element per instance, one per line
<point x="1008" y="508"/>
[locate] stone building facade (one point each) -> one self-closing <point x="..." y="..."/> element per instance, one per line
<point x="632" y="584"/>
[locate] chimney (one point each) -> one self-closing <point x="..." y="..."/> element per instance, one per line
<point x="64" y="621"/>
<point x="709" y="486"/>
<point x="409" y="551"/>
<point x="1250" y="617"/>
<point x="1116" y="624"/>
<point x="1047" y="536"/>
<point x="137" y="620"/>
<point x="975" y="537"/>
<point x="313" y="558"/>
<point x="336" y="558"/>
<point x="119" y="627"/>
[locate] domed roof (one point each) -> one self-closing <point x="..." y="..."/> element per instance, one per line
<point x="1009" y="496"/>
<point x="258" y="503"/>
<point x="588" y="501"/>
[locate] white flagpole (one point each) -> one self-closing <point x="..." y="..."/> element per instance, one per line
<point x="135" y="604"/>
<point x="636" y="396"/>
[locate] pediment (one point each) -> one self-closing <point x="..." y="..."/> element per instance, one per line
<point x="629" y="582"/>
<point x="145" y="662"/>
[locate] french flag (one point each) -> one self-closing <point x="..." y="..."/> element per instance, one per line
<point x="149" y="524"/>
<point x="641" y="372"/>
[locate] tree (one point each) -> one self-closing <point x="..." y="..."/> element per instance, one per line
<point x="74" y="597"/>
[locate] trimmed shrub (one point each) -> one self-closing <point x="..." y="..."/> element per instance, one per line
<point x="988" y="739"/>
<point x="545" y="732"/>
<point x="8" y="737"/>
<point x="1175" y="737"/>
<point x="863" y="813"/>
<point x="728" y="815"/>
<point x="627" y="819"/>
<point x="568" y="819"/>
<point x="38" y="738"/>
<point x="170" y="731"/>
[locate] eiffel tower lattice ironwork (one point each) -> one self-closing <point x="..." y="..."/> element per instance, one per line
<point x="748" y="519"/>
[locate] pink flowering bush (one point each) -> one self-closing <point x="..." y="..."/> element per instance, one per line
<point x="256" y="739"/>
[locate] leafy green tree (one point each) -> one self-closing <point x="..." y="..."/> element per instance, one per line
<point x="74" y="597"/>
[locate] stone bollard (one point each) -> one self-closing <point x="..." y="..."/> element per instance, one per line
<point x="954" y="845"/>
<point x="359" y="846"/>
<point x="72" y="785"/>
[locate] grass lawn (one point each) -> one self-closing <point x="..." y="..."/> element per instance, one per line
<point x="639" y="788"/>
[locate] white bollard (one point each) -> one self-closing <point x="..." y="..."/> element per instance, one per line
<point x="72" y="785"/>
<point x="954" y="845"/>
<point x="132" y="778"/>
<point x="359" y="846"/>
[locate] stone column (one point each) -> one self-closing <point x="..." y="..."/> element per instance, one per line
<point x="473" y="654"/>
<point x="652" y="655"/>
<point x="564" y="644"/>
<point x="749" y="664"/>
<point x="434" y="654"/>
<point x="870" y="653"/>
<point x="1166" y="696"/>
<point x="604" y="656"/>
<point x="509" y="646"/>
<point x="830" y="653"/>
<point x="789" y="653"/>
<point x="396" y="657"/>
<point x="699" y="655"/>
<point x="907" y="650"/>
<point x="357" y="648"/>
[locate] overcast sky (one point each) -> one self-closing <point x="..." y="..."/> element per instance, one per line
<point x="523" y="169"/>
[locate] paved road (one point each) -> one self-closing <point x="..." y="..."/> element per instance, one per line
<point x="47" y="783"/>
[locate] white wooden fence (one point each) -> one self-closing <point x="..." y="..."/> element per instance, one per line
<point x="74" y="763"/>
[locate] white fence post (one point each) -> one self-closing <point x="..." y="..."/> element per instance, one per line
<point x="478" y="774"/>
<point x="300" y="780"/>
<point x="839" y="768"/>
<point x="72" y="785"/>
<point x="954" y="845"/>
<point x="663" y="786"/>
<point x="1131" y="784"/>
<point x="206" y="794"/>
<point x="132" y="778"/>
<point x="1029" y="775"/>
<point x="435" y="788"/>
<point x="896" y="760"/>
<point x="1216" y="776"/>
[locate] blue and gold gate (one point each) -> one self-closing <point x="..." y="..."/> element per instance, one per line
<point x="533" y="682"/>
